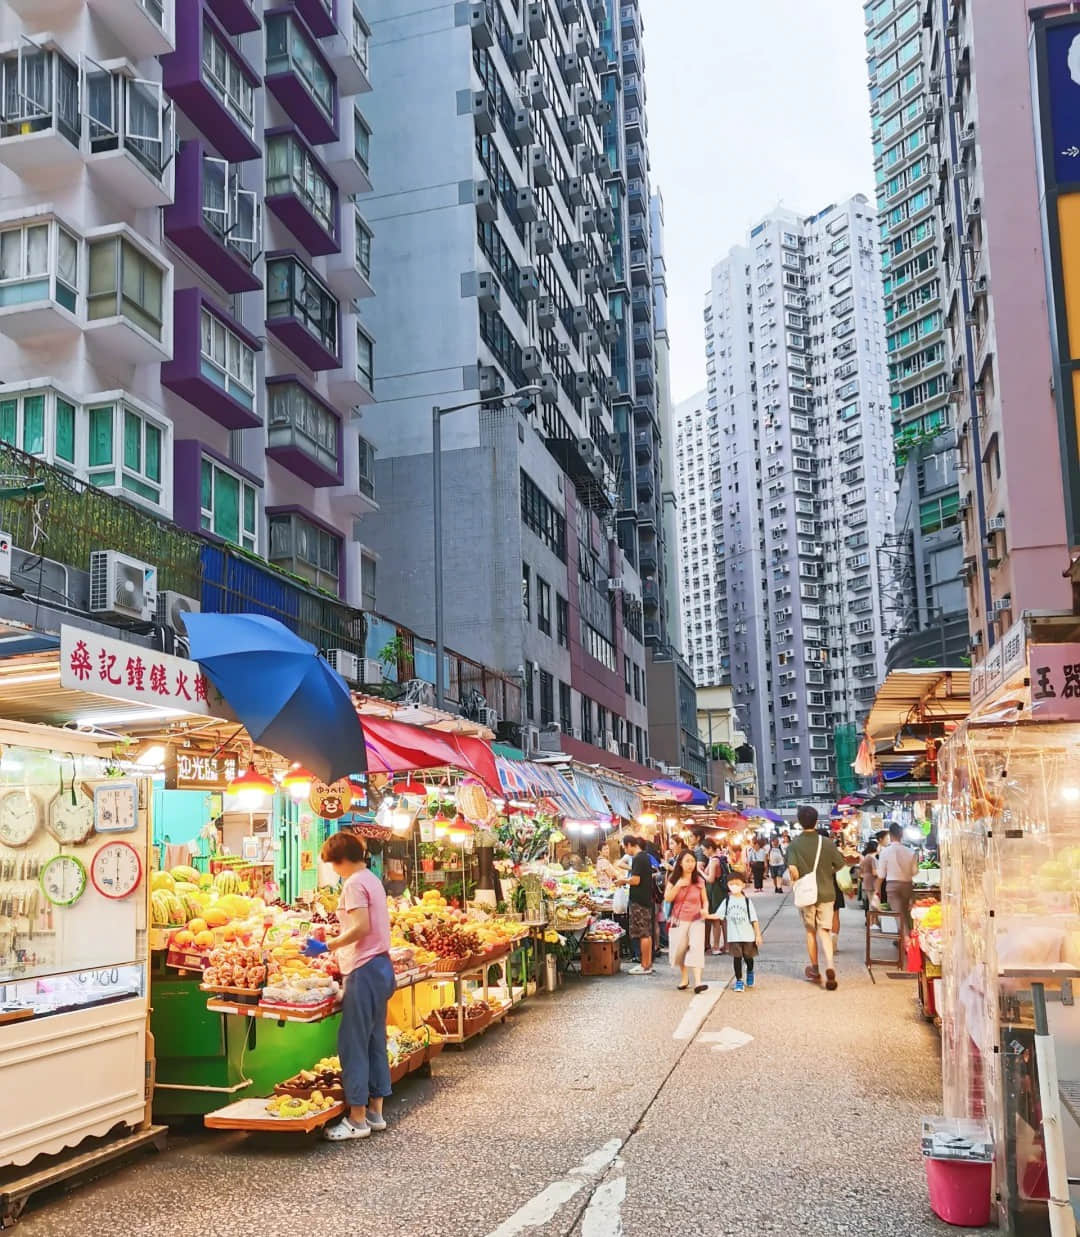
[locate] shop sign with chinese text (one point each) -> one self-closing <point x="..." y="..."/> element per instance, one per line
<point x="108" y="667"/>
<point x="1054" y="670"/>
<point x="199" y="771"/>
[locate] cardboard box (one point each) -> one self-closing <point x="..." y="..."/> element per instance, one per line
<point x="600" y="957"/>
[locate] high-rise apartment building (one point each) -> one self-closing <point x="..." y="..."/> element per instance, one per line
<point x="786" y="485"/>
<point x="182" y="261"/>
<point x="923" y="560"/>
<point x="499" y="229"/>
<point x="1007" y="236"/>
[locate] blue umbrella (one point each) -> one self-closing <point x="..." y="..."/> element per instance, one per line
<point x="764" y="813"/>
<point x="288" y="698"/>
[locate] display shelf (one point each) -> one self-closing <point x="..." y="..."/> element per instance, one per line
<point x="251" y="1115"/>
<point x="464" y="1036"/>
<point x="318" y="1013"/>
<point x="15" y="1015"/>
<point x="407" y="979"/>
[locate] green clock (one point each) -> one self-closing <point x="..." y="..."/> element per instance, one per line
<point x="63" y="880"/>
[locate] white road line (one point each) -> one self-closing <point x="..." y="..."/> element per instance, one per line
<point x="696" y="1013"/>
<point x="603" y="1216"/>
<point x="544" y="1206"/>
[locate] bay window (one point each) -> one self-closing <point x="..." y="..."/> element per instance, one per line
<point x="39" y="90"/>
<point x="125" y="282"/>
<point x="365" y="359"/>
<point x="229" y="505"/>
<point x="40" y="422"/>
<point x="362" y="141"/>
<point x="223" y="74"/>
<point x="295" y="418"/>
<point x="292" y="291"/>
<point x="226" y="360"/>
<point x="126" y="452"/>
<point x="305" y="548"/>
<point x="363" y="247"/>
<point x="292" y="168"/>
<point x="290" y="49"/>
<point x="39" y="261"/>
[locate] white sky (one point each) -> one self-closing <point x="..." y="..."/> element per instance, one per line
<point x="750" y="105"/>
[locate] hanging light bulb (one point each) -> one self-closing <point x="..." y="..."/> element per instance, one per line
<point x="441" y="826"/>
<point x="298" y="782"/>
<point x="460" y="831"/>
<point x="251" y="787"/>
<point x="401" y="821"/>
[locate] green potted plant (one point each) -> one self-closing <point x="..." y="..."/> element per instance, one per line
<point x="428" y="853"/>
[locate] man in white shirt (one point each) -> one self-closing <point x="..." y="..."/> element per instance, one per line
<point x="896" y="868"/>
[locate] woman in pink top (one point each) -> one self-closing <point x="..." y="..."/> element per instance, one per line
<point x="686" y="924"/>
<point x="363" y="955"/>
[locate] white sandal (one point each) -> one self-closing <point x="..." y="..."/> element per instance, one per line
<point x="345" y="1130"/>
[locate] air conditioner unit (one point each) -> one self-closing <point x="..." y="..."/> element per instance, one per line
<point x="546" y="314"/>
<point x="586" y="449"/>
<point x="487" y="201"/>
<point x="613" y="747"/>
<point x="550" y="737"/>
<point x="346" y="664"/>
<point x="171" y="609"/>
<point x="483" y="112"/>
<point x="543" y="237"/>
<point x="520" y="56"/>
<point x="122" y="587"/>
<point x="532" y="362"/>
<point x="573" y="129"/>
<point x="1001" y="604"/>
<point x="419" y="692"/>
<point x="536" y="18"/>
<point x="615" y="584"/>
<point x="523" y="127"/>
<point x="540" y="162"/>
<point x="975" y="640"/>
<point x="995" y="524"/>
<point x="525" y="203"/>
<point x="371" y="672"/>
<point x="982" y="285"/>
<point x="488" y="292"/>
<point x="530" y="739"/>
<point x="480" y="23"/>
<point x="490" y="381"/>
<point x="5" y="556"/>
<point x="489" y="718"/>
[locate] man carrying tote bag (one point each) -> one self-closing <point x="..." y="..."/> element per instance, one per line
<point x="812" y="862"/>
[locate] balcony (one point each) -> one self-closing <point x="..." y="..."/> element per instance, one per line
<point x="318" y="16"/>
<point x="129" y="136"/>
<point x="647" y="559"/>
<point x="636" y="197"/>
<point x="650" y="593"/>
<point x="41" y="279"/>
<point x="299" y="76"/>
<point x="354" y="383"/>
<point x="631" y="56"/>
<point x="40" y="118"/>
<point x="301" y="192"/>
<point x="641" y="304"/>
<point x="347" y="50"/>
<point x="348" y="272"/>
<point x="645" y="483"/>
<point x="643" y="446"/>
<point x="637" y="159"/>
<point x="143" y="27"/>
<point x="634" y="125"/>
<point x="630" y="21"/>
<point x="213" y="221"/>
<point x="643" y="346"/>
<point x="302" y="312"/>
<point x="349" y="158"/>
<point x="633" y="96"/>
<point x="304" y="433"/>
<point x="237" y="16"/>
<point x="639" y="267"/>
<point x="213" y="364"/>
<point x="212" y="83"/>
<point x="129" y="285"/>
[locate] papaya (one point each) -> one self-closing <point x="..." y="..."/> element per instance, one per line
<point x="163" y="880"/>
<point x="205" y="940"/>
<point x="215" y="917"/>
<point x="184" y="938"/>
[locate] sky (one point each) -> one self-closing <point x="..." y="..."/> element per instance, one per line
<point x="750" y="106"/>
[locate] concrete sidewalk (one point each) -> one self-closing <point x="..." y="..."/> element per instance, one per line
<point x="603" y="1110"/>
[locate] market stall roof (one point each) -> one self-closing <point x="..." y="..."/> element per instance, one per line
<point x="908" y="702"/>
<point x="395" y="747"/>
<point x="522" y="777"/>
<point x="681" y="792"/>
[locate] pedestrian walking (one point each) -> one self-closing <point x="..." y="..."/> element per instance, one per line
<point x="740" y="919"/>
<point x="759" y="858"/>
<point x="716" y="891"/>
<point x="641" y="908"/>
<point x="868" y="873"/>
<point x="776" y="865"/>
<point x="363" y="949"/>
<point x="896" y="868"/>
<point x="811" y="855"/>
<point x="686" y="929"/>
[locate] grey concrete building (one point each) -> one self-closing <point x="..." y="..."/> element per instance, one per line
<point x="786" y="489"/>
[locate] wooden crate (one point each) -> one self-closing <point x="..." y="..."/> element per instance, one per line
<point x="599" y="957"/>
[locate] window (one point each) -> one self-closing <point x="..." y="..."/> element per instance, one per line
<point x="586" y="719"/>
<point x="126" y="451"/>
<point x="229" y="505"/>
<point x="306" y="548"/>
<point x="529" y="690"/>
<point x="637" y="682"/>
<point x="539" y="515"/>
<point x="223" y="73"/>
<point x="29" y="273"/>
<point x="125" y="283"/>
<point x="543" y="606"/>
<point x="296" y="418"/>
<point x="290" y="49"/>
<point x="226" y="360"/>
<point x="232" y="213"/>
<point x="361" y="140"/>
<point x="39" y="90"/>
<point x="626" y="673"/>
<point x="566" y="716"/>
<point x="562" y="620"/>
<point x="363" y="247"/>
<point x="526" y="594"/>
<point x="292" y="291"/>
<point x="292" y="168"/>
<point x="547" y="698"/>
<point x="365" y="358"/>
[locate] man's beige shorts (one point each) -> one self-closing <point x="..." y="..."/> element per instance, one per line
<point x="818" y="917"/>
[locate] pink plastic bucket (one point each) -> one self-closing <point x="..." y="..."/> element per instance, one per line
<point x="960" y="1191"/>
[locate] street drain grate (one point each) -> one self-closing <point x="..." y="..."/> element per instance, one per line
<point x="901" y="975"/>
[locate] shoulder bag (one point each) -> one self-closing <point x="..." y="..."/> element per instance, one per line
<point x="805" y="890"/>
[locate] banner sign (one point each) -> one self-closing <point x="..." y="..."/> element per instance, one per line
<point x="1054" y="670"/>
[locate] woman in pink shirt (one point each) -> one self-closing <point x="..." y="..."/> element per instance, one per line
<point x="363" y="955"/>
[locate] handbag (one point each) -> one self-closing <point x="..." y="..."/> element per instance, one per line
<point x="620" y="903"/>
<point x="804" y="892"/>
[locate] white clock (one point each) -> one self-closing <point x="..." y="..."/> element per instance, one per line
<point x="116" y="870"/>
<point x="116" y="807"/>
<point x="70" y="823"/>
<point x="63" y="880"/>
<point x="19" y="818"/>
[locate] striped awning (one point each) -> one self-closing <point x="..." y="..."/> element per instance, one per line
<point x="525" y="779"/>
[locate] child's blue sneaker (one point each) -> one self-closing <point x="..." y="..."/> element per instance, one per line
<point x="739" y="985"/>
<point x="750" y="980"/>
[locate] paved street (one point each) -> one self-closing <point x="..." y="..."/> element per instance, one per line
<point x="606" y="1109"/>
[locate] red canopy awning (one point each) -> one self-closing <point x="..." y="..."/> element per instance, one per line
<point x="394" y="747"/>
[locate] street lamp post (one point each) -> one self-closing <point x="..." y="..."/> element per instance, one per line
<point x="437" y="415"/>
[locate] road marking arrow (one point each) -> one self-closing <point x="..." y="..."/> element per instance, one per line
<point x="725" y="1040"/>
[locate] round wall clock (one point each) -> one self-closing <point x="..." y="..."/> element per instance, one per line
<point x="116" y="870"/>
<point x="63" y="880"/>
<point x="70" y="823"/>
<point x="19" y="818"/>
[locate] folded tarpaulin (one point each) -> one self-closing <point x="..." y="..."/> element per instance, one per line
<point x="623" y="799"/>
<point x="394" y="747"/>
<point x="522" y="777"/>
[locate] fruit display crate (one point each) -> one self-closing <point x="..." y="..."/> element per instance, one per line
<point x="278" y="1013"/>
<point x="481" y="1025"/>
<point x="251" y="1115"/>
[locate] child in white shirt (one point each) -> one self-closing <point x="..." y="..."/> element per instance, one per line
<point x="743" y="930"/>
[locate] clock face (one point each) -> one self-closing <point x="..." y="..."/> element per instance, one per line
<point x="116" y="870"/>
<point x="70" y="823"/>
<point x="63" y="880"/>
<point x="19" y="818"/>
<point x="115" y="808"/>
